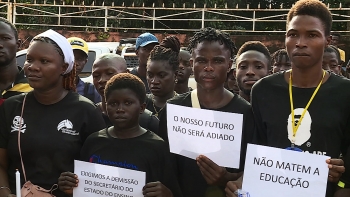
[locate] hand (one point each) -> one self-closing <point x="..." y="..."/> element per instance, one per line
<point x="67" y="181"/>
<point x="232" y="187"/>
<point x="336" y="169"/>
<point x="212" y="173"/>
<point x="156" y="189"/>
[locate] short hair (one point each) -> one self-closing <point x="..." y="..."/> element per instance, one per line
<point x="256" y="46"/>
<point x="14" y="29"/>
<point x="333" y="49"/>
<point x="110" y="56"/>
<point x="168" y="50"/>
<point x="277" y="55"/>
<point x="313" y="8"/>
<point x="126" y="81"/>
<point x="211" y="34"/>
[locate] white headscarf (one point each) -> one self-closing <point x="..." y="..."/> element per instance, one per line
<point x="63" y="43"/>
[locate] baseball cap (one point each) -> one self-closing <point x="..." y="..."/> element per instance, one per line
<point x="78" y="43"/>
<point x="145" y="39"/>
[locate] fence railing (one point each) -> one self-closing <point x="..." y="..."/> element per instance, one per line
<point x="159" y="19"/>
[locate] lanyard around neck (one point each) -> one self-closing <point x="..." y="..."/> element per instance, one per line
<point x="295" y="127"/>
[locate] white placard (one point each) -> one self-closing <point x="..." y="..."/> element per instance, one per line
<point x="275" y="172"/>
<point x="100" y="180"/>
<point x="217" y="135"/>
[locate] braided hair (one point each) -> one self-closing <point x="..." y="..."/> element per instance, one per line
<point x="167" y="50"/>
<point x="69" y="82"/>
<point x="211" y="34"/>
<point x="277" y="56"/>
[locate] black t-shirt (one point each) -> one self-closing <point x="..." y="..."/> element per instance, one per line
<point x="51" y="138"/>
<point x="152" y="107"/>
<point x="147" y="153"/>
<point x="19" y="86"/>
<point x="190" y="178"/>
<point x="144" y="80"/>
<point x="325" y="128"/>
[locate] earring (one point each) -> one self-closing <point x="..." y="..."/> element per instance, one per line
<point x="176" y="80"/>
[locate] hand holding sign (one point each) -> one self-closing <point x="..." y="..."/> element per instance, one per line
<point x="67" y="181"/>
<point x="212" y="173"/>
<point x="156" y="189"/>
<point x="232" y="187"/>
<point x="336" y="169"/>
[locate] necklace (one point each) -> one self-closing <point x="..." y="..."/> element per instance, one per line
<point x="154" y="107"/>
<point x="295" y="127"/>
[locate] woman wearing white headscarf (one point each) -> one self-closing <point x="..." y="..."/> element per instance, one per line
<point x="53" y="120"/>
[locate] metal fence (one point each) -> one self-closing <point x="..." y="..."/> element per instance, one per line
<point x="123" y="18"/>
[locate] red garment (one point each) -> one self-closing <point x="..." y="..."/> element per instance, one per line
<point x="1" y="101"/>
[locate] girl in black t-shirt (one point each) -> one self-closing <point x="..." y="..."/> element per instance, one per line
<point x="53" y="120"/>
<point x="162" y="66"/>
<point x="137" y="148"/>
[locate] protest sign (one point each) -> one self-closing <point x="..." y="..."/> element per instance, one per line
<point x="278" y="172"/>
<point x="217" y="135"/>
<point x="100" y="180"/>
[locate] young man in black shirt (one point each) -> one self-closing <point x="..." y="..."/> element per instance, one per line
<point x="212" y="51"/>
<point x="12" y="79"/>
<point x="280" y="102"/>
<point x="126" y="144"/>
<point x="253" y="63"/>
<point x="144" y="45"/>
<point x="184" y="72"/>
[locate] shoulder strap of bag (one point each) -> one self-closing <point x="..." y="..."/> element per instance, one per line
<point x="194" y="99"/>
<point x="19" y="138"/>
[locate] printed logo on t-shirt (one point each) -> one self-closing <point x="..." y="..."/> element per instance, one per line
<point x="304" y="131"/>
<point x="66" y="126"/>
<point x="17" y="124"/>
<point x="122" y="164"/>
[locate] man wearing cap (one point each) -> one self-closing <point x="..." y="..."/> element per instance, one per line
<point x="81" y="51"/>
<point x="144" y="45"/>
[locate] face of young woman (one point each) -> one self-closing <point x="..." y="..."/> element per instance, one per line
<point x="44" y="66"/>
<point x="124" y="108"/>
<point x="160" y="78"/>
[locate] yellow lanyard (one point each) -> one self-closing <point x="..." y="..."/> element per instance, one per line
<point x="295" y="128"/>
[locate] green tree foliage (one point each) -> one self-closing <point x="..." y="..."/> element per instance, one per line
<point x="86" y="16"/>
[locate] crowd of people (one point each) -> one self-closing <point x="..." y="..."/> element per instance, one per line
<point x="49" y="117"/>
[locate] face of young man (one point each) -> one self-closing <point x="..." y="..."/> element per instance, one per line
<point x="335" y="40"/>
<point x="143" y="53"/>
<point x="330" y="62"/>
<point x="281" y="64"/>
<point x="8" y="44"/>
<point x="306" y="41"/>
<point x="211" y="62"/>
<point x="80" y="59"/>
<point x="103" y="70"/>
<point x="251" y="66"/>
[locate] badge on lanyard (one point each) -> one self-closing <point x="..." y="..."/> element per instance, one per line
<point x="295" y="127"/>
